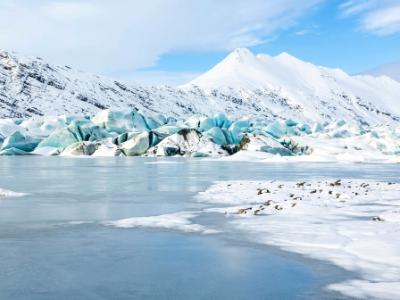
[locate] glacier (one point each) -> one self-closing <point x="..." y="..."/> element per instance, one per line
<point x="122" y="133"/>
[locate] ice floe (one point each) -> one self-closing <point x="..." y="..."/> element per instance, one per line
<point x="180" y="221"/>
<point x="354" y="224"/>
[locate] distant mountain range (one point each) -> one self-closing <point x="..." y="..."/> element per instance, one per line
<point x="243" y="84"/>
<point x="390" y="70"/>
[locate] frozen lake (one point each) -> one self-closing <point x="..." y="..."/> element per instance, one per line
<point x="54" y="244"/>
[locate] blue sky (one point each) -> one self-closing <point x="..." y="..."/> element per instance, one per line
<point x="172" y="41"/>
<point x="322" y="36"/>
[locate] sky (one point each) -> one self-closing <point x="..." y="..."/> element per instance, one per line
<point x="173" y="41"/>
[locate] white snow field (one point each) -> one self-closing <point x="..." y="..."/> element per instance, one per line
<point x="351" y="223"/>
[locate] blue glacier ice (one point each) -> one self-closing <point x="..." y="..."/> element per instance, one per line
<point x="237" y="130"/>
<point x="276" y="129"/>
<point x="217" y="136"/>
<point x="131" y="133"/>
<point x="222" y="121"/>
<point x="206" y="124"/>
<point x="75" y="132"/>
<point x="19" y="141"/>
<point x="120" y="122"/>
<point x="14" y="151"/>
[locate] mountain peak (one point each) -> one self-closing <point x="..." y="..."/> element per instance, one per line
<point x="239" y="55"/>
<point x="243" y="69"/>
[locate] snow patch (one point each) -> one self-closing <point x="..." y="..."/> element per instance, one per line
<point x="8" y="194"/>
<point x="179" y="221"/>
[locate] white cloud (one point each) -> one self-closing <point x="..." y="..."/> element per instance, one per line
<point x="312" y="29"/>
<point x="381" y="17"/>
<point x="353" y="7"/>
<point x="107" y="36"/>
<point x="69" y="11"/>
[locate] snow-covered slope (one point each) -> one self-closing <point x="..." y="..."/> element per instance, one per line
<point x="389" y="70"/>
<point x="30" y="86"/>
<point x="243" y="84"/>
<point x="309" y="90"/>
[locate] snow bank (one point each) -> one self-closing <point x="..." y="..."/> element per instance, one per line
<point x="351" y="223"/>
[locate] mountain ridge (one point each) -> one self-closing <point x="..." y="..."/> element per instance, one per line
<point x="242" y="84"/>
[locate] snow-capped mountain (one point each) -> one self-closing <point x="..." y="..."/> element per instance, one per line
<point x="301" y="87"/>
<point x="30" y="86"/>
<point x="278" y="87"/>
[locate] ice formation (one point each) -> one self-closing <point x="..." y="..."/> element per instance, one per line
<point x="120" y="133"/>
